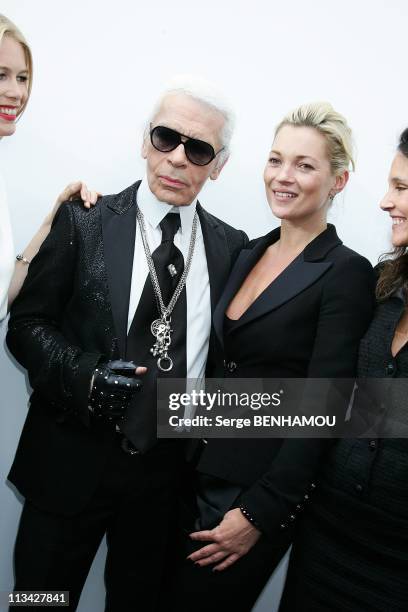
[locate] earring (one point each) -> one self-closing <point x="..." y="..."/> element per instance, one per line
<point x="331" y="196"/>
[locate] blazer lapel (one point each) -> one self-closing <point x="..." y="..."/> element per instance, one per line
<point x="119" y="230"/>
<point x="216" y="252"/>
<point x="246" y="260"/>
<point x="299" y="275"/>
<point x="305" y="270"/>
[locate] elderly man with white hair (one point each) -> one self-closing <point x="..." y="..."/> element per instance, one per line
<point x="92" y="327"/>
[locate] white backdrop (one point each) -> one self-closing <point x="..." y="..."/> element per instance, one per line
<point x="99" y="66"/>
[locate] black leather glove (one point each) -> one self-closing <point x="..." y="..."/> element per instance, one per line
<point x="114" y="385"/>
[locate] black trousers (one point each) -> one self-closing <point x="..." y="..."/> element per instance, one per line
<point x="135" y="505"/>
<point x="236" y="589"/>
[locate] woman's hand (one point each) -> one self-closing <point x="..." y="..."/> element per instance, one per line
<point x="71" y="191"/>
<point x="231" y="539"/>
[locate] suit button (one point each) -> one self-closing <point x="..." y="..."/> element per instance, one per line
<point x="390" y="369"/>
<point x="283" y="526"/>
<point x="358" y="488"/>
<point x="231" y="366"/>
<point x="292" y="517"/>
<point x="372" y="444"/>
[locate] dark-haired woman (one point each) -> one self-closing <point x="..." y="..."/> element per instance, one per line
<point x="351" y="550"/>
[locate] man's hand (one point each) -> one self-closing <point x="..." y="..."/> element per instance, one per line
<point x="231" y="539"/>
<point x="113" y="386"/>
<point x="72" y="191"/>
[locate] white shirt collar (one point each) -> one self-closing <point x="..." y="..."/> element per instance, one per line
<point x="154" y="210"/>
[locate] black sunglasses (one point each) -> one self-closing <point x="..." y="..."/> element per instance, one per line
<point x="197" y="151"/>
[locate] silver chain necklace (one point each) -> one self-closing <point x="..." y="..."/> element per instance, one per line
<point x="160" y="328"/>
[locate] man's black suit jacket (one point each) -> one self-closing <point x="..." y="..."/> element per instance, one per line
<point x="72" y="312"/>
<point x="307" y="323"/>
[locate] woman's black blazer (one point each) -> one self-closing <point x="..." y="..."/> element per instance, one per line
<point x="307" y="323"/>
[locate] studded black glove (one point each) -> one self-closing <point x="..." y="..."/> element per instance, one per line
<point x="114" y="385"/>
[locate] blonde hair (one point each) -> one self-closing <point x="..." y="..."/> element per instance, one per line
<point x="333" y="126"/>
<point x="7" y="28"/>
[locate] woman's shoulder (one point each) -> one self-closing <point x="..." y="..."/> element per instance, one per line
<point x="349" y="273"/>
<point x="345" y="257"/>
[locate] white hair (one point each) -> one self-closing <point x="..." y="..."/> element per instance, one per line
<point x="206" y="93"/>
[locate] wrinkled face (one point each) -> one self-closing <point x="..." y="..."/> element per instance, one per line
<point x="298" y="176"/>
<point x="171" y="176"/>
<point x="13" y="83"/>
<point x="395" y="201"/>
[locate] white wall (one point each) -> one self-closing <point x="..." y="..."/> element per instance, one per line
<point x="98" y="66"/>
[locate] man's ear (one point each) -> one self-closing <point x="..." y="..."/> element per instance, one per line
<point x="215" y="173"/>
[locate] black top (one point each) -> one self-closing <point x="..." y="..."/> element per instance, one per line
<point x="375" y="357"/>
<point x="229" y="324"/>
<point x="380" y="401"/>
<point x="307" y="323"/>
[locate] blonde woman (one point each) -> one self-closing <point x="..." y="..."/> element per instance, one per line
<point x="16" y="74"/>
<point x="351" y="548"/>
<point x="296" y="305"/>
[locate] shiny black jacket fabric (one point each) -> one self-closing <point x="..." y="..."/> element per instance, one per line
<point x="71" y="313"/>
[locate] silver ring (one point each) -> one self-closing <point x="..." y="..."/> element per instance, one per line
<point x="169" y="359"/>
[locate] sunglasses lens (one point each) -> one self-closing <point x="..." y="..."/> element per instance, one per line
<point x="199" y="152"/>
<point x="164" y="139"/>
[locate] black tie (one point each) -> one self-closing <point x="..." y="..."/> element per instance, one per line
<point x="140" y="423"/>
<point x="167" y="254"/>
